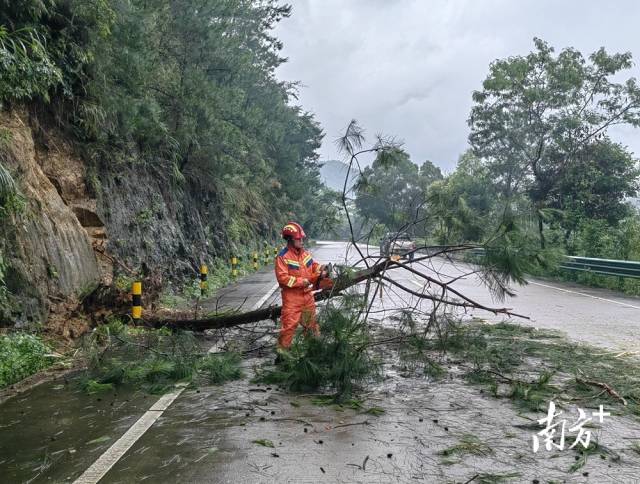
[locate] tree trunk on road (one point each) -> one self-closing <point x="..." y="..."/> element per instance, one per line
<point x="229" y="320"/>
<point x="443" y="294"/>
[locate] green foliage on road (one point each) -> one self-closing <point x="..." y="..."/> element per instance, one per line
<point x="264" y="443"/>
<point x="152" y="360"/>
<point x="531" y="366"/>
<point x="221" y="368"/>
<point x="338" y="359"/>
<point x="22" y="355"/>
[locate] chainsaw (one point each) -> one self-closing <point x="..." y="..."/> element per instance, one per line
<point x="325" y="281"/>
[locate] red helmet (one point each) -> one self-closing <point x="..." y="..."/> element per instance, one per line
<point x="294" y="231"/>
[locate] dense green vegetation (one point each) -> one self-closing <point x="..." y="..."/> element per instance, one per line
<point x="542" y="176"/>
<point x="392" y="189"/>
<point x="337" y="359"/>
<point x="184" y="88"/>
<point x="154" y="360"/>
<point x="539" y="125"/>
<point x="22" y="355"/>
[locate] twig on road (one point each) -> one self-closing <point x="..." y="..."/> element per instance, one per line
<point x="604" y="386"/>
<point x="364" y="422"/>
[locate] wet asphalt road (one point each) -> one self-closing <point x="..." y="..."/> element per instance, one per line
<point x="596" y="316"/>
<point x="210" y="436"/>
<point x="206" y="435"/>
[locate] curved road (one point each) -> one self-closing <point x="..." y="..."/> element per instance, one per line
<point x="596" y="316"/>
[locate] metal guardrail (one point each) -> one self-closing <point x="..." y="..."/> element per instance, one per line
<point x="608" y="267"/>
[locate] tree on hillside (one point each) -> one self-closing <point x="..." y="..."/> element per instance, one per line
<point x="596" y="186"/>
<point x="195" y="91"/>
<point x="429" y="173"/>
<point x="389" y="190"/>
<point x="185" y="90"/>
<point x="537" y="114"/>
<point x="460" y="206"/>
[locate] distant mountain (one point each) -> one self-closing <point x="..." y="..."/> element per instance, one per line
<point x="333" y="173"/>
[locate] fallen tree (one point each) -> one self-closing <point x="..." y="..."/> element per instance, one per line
<point x="500" y="266"/>
<point x="444" y="293"/>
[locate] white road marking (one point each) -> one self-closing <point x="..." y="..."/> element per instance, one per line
<point x="419" y="284"/>
<point x="585" y="295"/>
<point x="264" y="298"/>
<point x="113" y="454"/>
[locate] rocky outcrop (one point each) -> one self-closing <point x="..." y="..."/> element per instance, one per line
<point x="49" y="253"/>
<point x="84" y="225"/>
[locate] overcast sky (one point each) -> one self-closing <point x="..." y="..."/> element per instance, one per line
<point x="408" y="67"/>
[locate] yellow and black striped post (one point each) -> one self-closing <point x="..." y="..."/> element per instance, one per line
<point x="234" y="267"/>
<point x="136" y="301"/>
<point x="275" y="252"/>
<point x="255" y="261"/>
<point x="266" y="256"/>
<point x="204" y="270"/>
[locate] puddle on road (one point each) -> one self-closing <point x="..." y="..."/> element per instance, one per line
<point x="55" y="431"/>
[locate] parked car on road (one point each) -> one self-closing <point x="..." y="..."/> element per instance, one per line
<point x="397" y="243"/>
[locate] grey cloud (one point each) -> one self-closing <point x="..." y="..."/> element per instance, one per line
<point x="408" y="67"/>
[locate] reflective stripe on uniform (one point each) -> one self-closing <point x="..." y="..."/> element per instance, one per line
<point x="292" y="262"/>
<point x="307" y="261"/>
<point x="292" y="281"/>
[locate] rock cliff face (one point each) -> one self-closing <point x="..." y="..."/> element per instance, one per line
<point x="82" y="225"/>
<point x="49" y="253"/>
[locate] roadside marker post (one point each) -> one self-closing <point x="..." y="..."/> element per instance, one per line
<point x="234" y="267"/>
<point x="203" y="279"/>
<point x="136" y="301"/>
<point x="255" y="261"/>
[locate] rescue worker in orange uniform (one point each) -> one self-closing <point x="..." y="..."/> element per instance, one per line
<point x="297" y="274"/>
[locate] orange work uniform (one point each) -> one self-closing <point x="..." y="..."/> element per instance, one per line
<point x="298" y="305"/>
